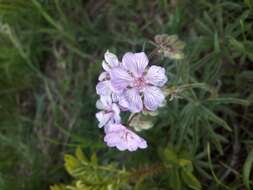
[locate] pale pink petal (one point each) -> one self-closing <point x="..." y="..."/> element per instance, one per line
<point x="120" y="79"/>
<point x="124" y="105"/>
<point x="111" y="59"/>
<point x="153" y="97"/>
<point x="110" y="114"/>
<point x="115" y="109"/>
<point x="107" y="127"/>
<point x="99" y="105"/>
<point x="135" y="141"/>
<point x="116" y="113"/>
<point x="121" y="100"/>
<point x="135" y="63"/>
<point x="104" y="88"/>
<point x="111" y="139"/>
<point x="103" y="118"/>
<point x="103" y="76"/>
<point x="156" y="76"/>
<point x="132" y="145"/>
<point x="115" y="97"/>
<point x="134" y="100"/>
<point x="117" y="128"/>
<point x="107" y="102"/>
<point x="121" y="146"/>
<point x="143" y="144"/>
<point x="106" y="66"/>
<point x="122" y="138"/>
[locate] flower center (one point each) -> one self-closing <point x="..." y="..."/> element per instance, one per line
<point x="139" y="83"/>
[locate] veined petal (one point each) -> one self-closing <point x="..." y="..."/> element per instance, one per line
<point x="156" y="76"/>
<point x="135" y="142"/>
<point x="116" y="113"/>
<point x="107" y="102"/>
<point x="106" y="66"/>
<point x="135" y="63"/>
<point x="111" y="139"/>
<point x="120" y="79"/>
<point x="134" y="100"/>
<point x="104" y="88"/>
<point x="122" y="138"/>
<point x="111" y="59"/>
<point x="123" y="103"/>
<point x="153" y="97"/>
<point x="116" y="128"/>
<point x="115" y="97"/>
<point x="103" y="76"/>
<point x="103" y="118"/>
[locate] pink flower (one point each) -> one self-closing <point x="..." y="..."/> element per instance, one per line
<point x="139" y="84"/>
<point x="110" y="112"/>
<point x="127" y="86"/>
<point x="110" y="61"/>
<point x="122" y="138"/>
<point x="104" y="87"/>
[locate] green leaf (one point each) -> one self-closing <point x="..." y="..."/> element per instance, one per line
<point x="229" y="101"/>
<point x="247" y="169"/>
<point x="175" y="181"/>
<point x="249" y="3"/>
<point x="170" y="155"/>
<point x="216" y="43"/>
<point x="190" y="180"/>
<point x="209" y="20"/>
<point x="71" y="163"/>
<point x="237" y="45"/>
<point x="58" y="187"/>
<point x="204" y="28"/>
<point x="202" y="86"/>
<point x="80" y="155"/>
<point x="209" y="115"/>
<point x="184" y="162"/>
<point x="94" y="159"/>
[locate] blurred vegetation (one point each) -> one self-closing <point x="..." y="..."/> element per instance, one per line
<point x="51" y="53"/>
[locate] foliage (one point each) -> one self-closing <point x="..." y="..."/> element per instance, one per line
<point x="51" y="53"/>
<point x="89" y="174"/>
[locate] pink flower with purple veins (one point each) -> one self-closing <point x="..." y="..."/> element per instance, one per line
<point x="110" y="112"/>
<point x="104" y="87"/>
<point x="139" y="84"/>
<point x="122" y="138"/>
<point x="129" y="85"/>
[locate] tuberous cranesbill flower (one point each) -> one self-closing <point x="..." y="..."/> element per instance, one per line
<point x="122" y="138"/>
<point x="132" y="86"/>
<point x="104" y="87"/>
<point x="139" y="84"/>
<point x="110" y="112"/>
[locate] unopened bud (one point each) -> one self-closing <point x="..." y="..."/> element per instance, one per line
<point x="170" y="46"/>
<point x="140" y="122"/>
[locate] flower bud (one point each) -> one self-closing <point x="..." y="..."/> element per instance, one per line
<point x="140" y="122"/>
<point x="170" y="46"/>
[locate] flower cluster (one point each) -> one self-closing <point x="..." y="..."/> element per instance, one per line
<point x="127" y="85"/>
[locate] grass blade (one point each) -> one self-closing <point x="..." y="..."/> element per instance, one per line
<point x="247" y="169"/>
